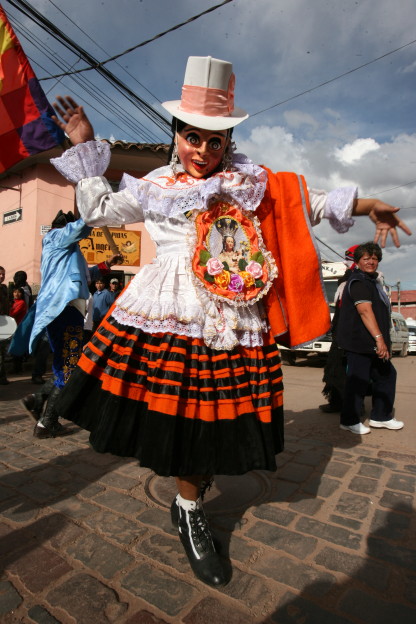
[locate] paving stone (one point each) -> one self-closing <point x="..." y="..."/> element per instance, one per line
<point x="397" y="501"/>
<point x="369" y="470"/>
<point x="167" y="593"/>
<point x="88" y="471"/>
<point x="87" y="601"/>
<point x="9" y="598"/>
<point x="336" y="535"/>
<point x="402" y="457"/>
<point x="213" y="610"/>
<point x="155" y="517"/>
<point x="97" y="554"/>
<point x="118" y="481"/>
<point x="349" y="523"/>
<point x="337" y="469"/>
<point x="52" y="474"/>
<point x="164" y="549"/>
<point x="310" y="458"/>
<point x="236" y="548"/>
<point x="363" y="485"/>
<point x="41" y="616"/>
<point x="355" y="603"/>
<point x="274" y="514"/>
<point x="392" y="553"/>
<point x="295" y="574"/>
<point x="282" y="539"/>
<point x="353" y="506"/>
<point x="252" y="591"/>
<point x="371" y="573"/>
<point x="19" y="509"/>
<point x="144" y="617"/>
<point x="282" y="491"/>
<point x="119" y="501"/>
<point x="40" y="491"/>
<point x="404" y="483"/>
<point x="377" y="462"/>
<point x="321" y="486"/>
<point x="117" y="528"/>
<point x="306" y="505"/>
<point x="390" y="525"/>
<point x="295" y="472"/>
<point x="39" y="567"/>
<point x="297" y="610"/>
<point x="74" y="507"/>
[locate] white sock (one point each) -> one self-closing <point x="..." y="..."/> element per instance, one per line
<point x="188" y="505"/>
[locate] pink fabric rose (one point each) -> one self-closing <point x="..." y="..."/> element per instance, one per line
<point x="255" y="269"/>
<point x="214" y="266"/>
<point x="236" y="283"/>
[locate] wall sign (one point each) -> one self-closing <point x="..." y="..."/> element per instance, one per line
<point x="12" y="216"/>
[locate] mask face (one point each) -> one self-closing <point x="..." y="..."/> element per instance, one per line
<point x="200" y="151"/>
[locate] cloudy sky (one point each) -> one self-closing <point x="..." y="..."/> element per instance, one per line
<point x="330" y="87"/>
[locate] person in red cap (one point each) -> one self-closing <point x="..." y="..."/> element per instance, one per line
<point x="184" y="373"/>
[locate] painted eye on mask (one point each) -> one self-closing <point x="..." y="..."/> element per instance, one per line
<point x="192" y="138"/>
<point x="215" y="144"/>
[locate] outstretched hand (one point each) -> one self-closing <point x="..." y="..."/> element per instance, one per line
<point x="386" y="221"/>
<point x="72" y="120"/>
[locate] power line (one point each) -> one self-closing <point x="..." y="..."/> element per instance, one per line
<point x="145" y="108"/>
<point x="102" y="98"/>
<point x="101" y="48"/>
<point x="322" y="84"/>
<point x="98" y="65"/>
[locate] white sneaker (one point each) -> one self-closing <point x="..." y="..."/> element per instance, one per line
<point x="387" y="424"/>
<point x="359" y="428"/>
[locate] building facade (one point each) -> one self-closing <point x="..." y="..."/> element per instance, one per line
<point x="32" y="192"/>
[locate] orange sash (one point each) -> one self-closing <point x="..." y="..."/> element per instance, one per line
<point x="296" y="305"/>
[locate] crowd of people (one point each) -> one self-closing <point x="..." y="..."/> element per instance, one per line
<point x="183" y="370"/>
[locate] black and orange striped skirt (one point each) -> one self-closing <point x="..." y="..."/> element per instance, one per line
<point x="177" y="406"/>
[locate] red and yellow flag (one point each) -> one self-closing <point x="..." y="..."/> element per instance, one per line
<point x="26" y="127"/>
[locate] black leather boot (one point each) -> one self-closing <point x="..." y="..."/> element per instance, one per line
<point x="34" y="403"/>
<point x="196" y="539"/>
<point x="51" y="426"/>
<point x="206" y="485"/>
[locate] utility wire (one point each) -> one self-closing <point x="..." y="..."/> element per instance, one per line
<point x="322" y="84"/>
<point x="102" y="98"/>
<point x="103" y="50"/>
<point x="99" y="65"/>
<point x="45" y="24"/>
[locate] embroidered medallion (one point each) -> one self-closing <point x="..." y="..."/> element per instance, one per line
<point x="230" y="259"/>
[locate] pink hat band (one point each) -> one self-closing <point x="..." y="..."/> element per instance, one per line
<point x="208" y="101"/>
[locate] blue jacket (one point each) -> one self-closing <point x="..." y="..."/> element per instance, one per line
<point x="64" y="274"/>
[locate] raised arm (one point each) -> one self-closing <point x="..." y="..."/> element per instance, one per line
<point x="384" y="217"/>
<point x="72" y="120"/>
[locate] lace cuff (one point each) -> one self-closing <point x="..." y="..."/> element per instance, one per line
<point x="85" y="160"/>
<point x="338" y="209"/>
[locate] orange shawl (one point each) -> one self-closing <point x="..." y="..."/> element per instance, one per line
<point x="296" y="305"/>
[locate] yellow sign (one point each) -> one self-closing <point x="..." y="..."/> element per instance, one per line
<point x="96" y="249"/>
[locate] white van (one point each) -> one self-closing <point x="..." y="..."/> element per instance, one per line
<point x="411" y="326"/>
<point x="399" y="334"/>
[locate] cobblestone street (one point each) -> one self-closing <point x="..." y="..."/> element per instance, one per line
<point x="327" y="539"/>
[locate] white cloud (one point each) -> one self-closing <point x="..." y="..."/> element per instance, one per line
<point x="352" y="152"/>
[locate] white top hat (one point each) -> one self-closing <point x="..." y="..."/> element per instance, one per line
<point x="207" y="95"/>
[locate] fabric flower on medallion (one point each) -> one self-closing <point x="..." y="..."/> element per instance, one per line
<point x="255" y="269"/>
<point x="236" y="283"/>
<point x="214" y="266"/>
<point x="247" y="277"/>
<point x="223" y="279"/>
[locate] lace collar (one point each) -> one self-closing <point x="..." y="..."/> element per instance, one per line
<point x="161" y="192"/>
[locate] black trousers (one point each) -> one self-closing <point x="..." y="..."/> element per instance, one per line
<point x="361" y="369"/>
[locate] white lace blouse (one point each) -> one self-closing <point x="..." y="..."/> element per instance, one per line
<point x="163" y="296"/>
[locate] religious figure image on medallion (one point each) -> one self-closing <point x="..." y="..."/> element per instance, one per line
<point x="228" y="242"/>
